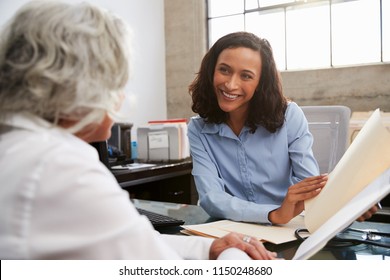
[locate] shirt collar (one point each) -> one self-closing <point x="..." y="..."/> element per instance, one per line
<point x="222" y="130"/>
<point x="27" y="121"/>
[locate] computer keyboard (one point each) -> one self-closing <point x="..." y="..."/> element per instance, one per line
<point x="159" y="220"/>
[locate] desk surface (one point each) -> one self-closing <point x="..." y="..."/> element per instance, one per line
<point x="193" y="214"/>
<point x="159" y="171"/>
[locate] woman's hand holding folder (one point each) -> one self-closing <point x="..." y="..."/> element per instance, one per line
<point x="293" y="203"/>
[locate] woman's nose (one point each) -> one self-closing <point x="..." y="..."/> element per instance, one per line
<point x="232" y="82"/>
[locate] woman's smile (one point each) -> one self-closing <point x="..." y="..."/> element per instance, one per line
<point x="229" y="96"/>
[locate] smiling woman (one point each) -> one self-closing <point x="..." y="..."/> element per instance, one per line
<point x="236" y="76"/>
<point x="250" y="146"/>
<point x="267" y="105"/>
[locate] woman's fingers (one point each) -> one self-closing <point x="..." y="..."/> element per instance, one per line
<point x="250" y="245"/>
<point x="314" y="180"/>
<point x="368" y="214"/>
<point x="309" y="184"/>
<point x="256" y="250"/>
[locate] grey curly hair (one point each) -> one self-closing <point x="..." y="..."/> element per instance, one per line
<point x="63" y="61"/>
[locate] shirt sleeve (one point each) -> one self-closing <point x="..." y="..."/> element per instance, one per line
<point x="189" y="247"/>
<point x="212" y="195"/>
<point x="91" y="217"/>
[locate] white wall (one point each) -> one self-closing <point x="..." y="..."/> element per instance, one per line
<point x="146" y="89"/>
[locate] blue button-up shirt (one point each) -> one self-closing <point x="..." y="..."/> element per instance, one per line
<point x="244" y="177"/>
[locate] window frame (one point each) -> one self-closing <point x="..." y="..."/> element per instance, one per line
<point x="303" y="4"/>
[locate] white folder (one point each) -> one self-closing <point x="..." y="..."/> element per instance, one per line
<point x="370" y="195"/>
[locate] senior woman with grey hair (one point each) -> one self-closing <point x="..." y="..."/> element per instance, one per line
<point x="62" y="71"/>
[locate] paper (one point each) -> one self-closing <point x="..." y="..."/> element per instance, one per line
<point x="158" y="140"/>
<point x="367" y="157"/>
<point x="133" y="166"/>
<point x="273" y="234"/>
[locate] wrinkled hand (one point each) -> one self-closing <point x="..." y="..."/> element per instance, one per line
<point x="254" y="248"/>
<point x="293" y="203"/>
<point x="368" y="214"/>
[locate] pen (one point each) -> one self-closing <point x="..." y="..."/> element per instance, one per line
<point x="379" y="205"/>
<point x="370" y="231"/>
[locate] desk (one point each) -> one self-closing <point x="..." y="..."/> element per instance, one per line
<point x="171" y="182"/>
<point x="193" y="214"/>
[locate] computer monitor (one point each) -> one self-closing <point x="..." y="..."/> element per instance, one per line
<point x="117" y="149"/>
<point x="102" y="149"/>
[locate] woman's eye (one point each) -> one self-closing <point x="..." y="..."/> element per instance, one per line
<point x="246" y="76"/>
<point x="223" y="70"/>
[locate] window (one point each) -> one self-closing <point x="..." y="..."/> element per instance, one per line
<point x="271" y="27"/>
<point x="226" y="18"/>
<point x="308" y="34"/>
<point x="386" y="30"/>
<point x="356" y="39"/>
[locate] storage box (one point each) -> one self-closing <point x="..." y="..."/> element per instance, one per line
<point x="358" y="119"/>
<point x="163" y="141"/>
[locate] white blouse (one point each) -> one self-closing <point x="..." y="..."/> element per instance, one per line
<point x="58" y="201"/>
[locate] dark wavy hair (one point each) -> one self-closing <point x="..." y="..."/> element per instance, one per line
<point x="268" y="104"/>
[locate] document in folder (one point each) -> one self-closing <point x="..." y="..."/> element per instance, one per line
<point x="366" y="158"/>
<point x="344" y="217"/>
<point x="266" y="233"/>
<point x="355" y="176"/>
